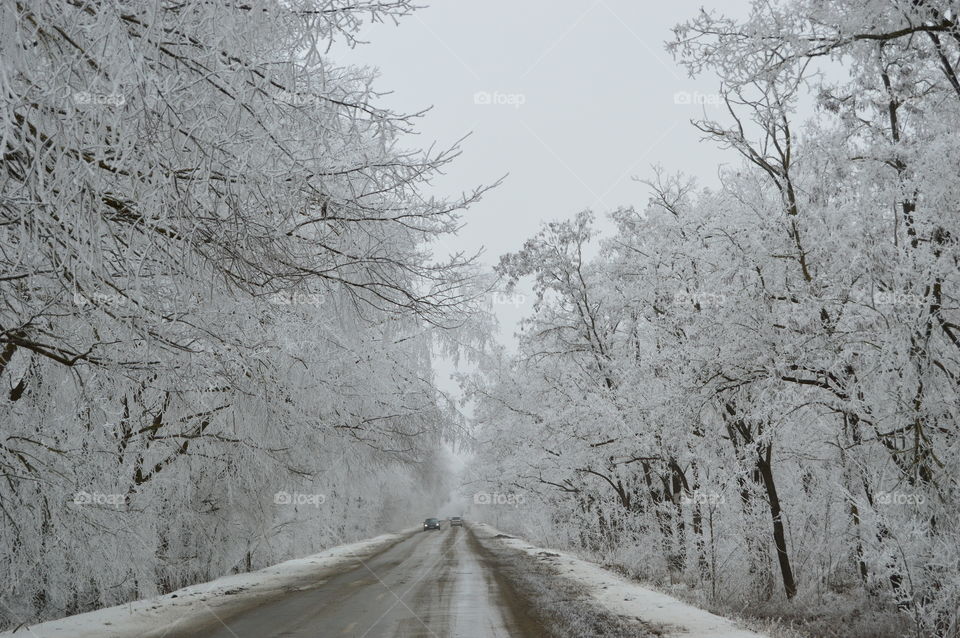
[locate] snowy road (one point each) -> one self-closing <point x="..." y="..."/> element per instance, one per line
<point x="433" y="584"/>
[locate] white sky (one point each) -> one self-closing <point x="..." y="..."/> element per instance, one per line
<point x="599" y="106"/>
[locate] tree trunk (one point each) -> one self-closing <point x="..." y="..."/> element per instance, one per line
<point x="779" y="538"/>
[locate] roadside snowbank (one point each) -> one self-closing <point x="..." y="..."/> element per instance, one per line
<point x="161" y="614"/>
<point x="627" y="598"/>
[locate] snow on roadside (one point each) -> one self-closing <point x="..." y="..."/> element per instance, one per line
<point x="183" y="606"/>
<point x="627" y="598"/>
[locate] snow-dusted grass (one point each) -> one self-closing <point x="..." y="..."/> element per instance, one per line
<point x="840" y="617"/>
<point x="625" y="598"/>
<point x="154" y="617"/>
<point x="822" y="615"/>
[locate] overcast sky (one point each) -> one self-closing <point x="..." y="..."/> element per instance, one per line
<point x="572" y="99"/>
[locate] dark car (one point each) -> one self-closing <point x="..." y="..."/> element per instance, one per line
<point x="456" y="521"/>
<point x="431" y="523"/>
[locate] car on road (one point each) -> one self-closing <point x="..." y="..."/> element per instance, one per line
<point x="431" y="523"/>
<point x="456" y="521"/>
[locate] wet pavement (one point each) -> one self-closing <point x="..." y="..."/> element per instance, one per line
<point x="435" y="584"/>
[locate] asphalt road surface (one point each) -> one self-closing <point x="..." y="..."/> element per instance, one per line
<point x="435" y="584"/>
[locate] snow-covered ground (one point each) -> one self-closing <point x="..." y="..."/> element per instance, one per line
<point x="627" y="598"/>
<point x="155" y="616"/>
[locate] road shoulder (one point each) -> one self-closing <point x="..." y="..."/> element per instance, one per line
<point x="558" y="606"/>
<point x="205" y="604"/>
<point x="652" y="611"/>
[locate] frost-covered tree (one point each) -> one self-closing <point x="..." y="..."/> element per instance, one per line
<point x="754" y="387"/>
<point x="216" y="286"/>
